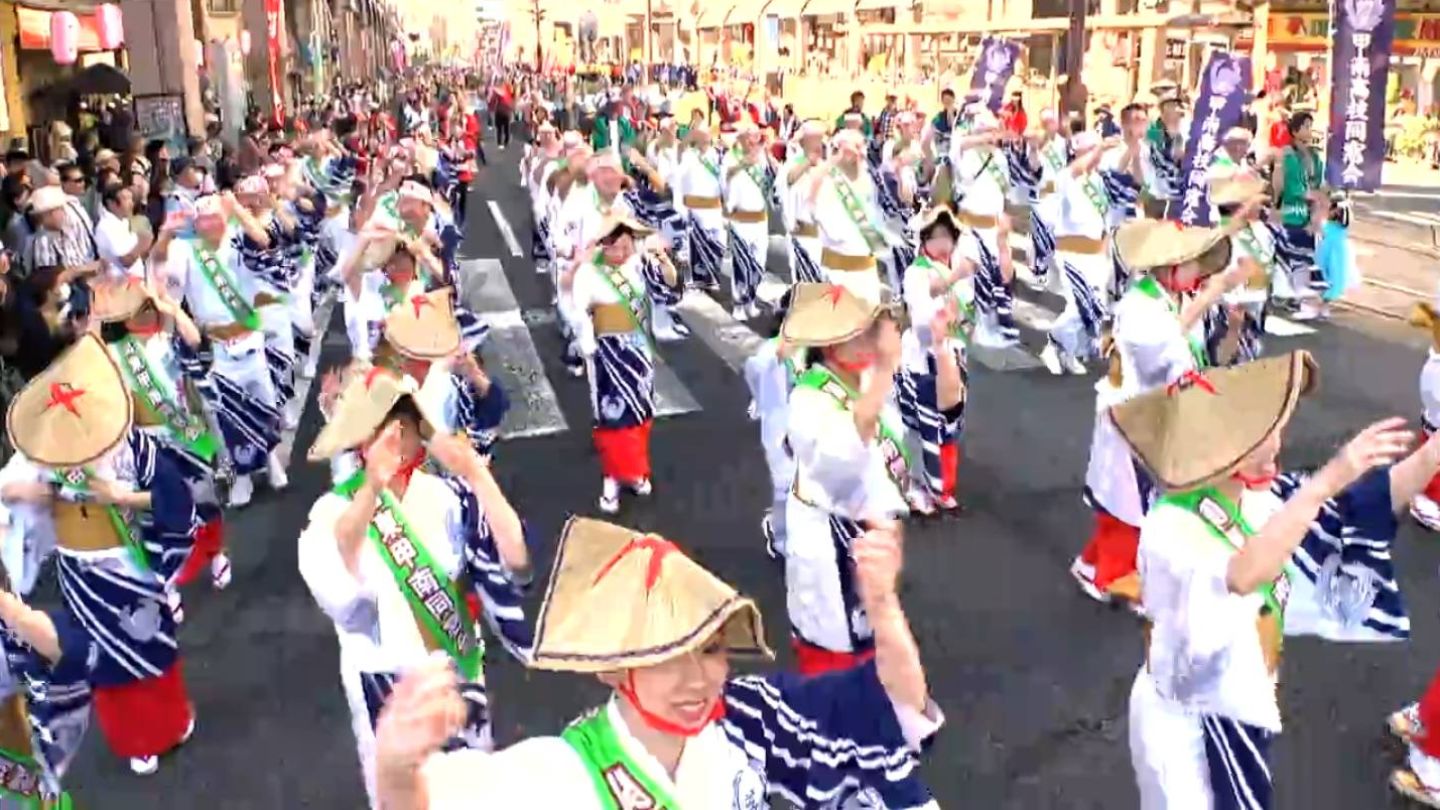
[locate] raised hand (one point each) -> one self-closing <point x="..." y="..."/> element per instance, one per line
<point x="879" y="556"/>
<point x="1379" y="445"/>
<point x="456" y="454"/>
<point x="383" y="457"/>
<point x="422" y="713"/>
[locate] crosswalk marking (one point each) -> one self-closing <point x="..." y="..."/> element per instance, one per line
<point x="506" y="231"/>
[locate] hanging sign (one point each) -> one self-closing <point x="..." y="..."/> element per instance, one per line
<point x="1355" y="151"/>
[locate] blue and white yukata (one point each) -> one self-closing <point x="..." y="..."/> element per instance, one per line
<point x="830" y="742"/>
<point x="304" y="251"/>
<point x="1087" y="272"/>
<point x="771" y="378"/>
<point x="841" y="482"/>
<point x="54" y="701"/>
<point x="748" y="188"/>
<point x="982" y="177"/>
<point x="462" y="409"/>
<point x="936" y="431"/>
<point x="380" y="636"/>
<point x="273" y="272"/>
<point x="672" y="224"/>
<point x="898" y="171"/>
<point x="117" y="593"/>
<point x="1054" y="157"/>
<point x="1204" y="710"/>
<point x="698" y="198"/>
<point x="538" y="184"/>
<point x="576" y="229"/>
<point x="852" y="233"/>
<point x="244" y="399"/>
<point x="799" y="217"/>
<point x="1256" y="241"/>
<point x="1162" y="170"/>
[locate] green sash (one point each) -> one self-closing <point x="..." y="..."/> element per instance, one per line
<point x="992" y="167"/>
<point x="433" y="596"/>
<point x="21" y="780"/>
<point x="1095" y="193"/>
<point x="220" y="280"/>
<point x="1150" y="288"/>
<point x="756" y="175"/>
<point x="620" y="783"/>
<point x="145" y="381"/>
<point x="788" y="362"/>
<point x="1053" y="156"/>
<point x="892" y="444"/>
<point x="637" y="302"/>
<point x="962" y="328"/>
<point x="1251" y="243"/>
<point x="851" y="203"/>
<point x="78" y="479"/>
<point x="1219" y="513"/>
<point x="709" y="165"/>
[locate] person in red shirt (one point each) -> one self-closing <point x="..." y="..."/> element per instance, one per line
<point x="502" y="106"/>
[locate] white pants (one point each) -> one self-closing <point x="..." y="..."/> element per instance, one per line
<point x="1167" y="750"/>
<point x="1068" y="329"/>
<point x="243" y="363"/>
<point x="276" y="323"/>
<point x="301" y="309"/>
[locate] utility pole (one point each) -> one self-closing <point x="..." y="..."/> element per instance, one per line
<point x="1075" y="92"/>
<point x="649" y="38"/>
<point x="539" y="15"/>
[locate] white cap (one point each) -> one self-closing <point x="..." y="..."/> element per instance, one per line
<point x="47" y="199"/>
<point x="414" y="191"/>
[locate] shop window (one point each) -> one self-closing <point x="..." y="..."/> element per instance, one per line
<point x="223" y="6"/>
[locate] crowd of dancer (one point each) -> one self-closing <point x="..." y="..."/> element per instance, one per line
<point x="135" y="443"/>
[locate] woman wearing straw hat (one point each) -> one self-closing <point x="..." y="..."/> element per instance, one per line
<point x="679" y="731"/>
<point x="852" y="467"/>
<point x="584" y="212"/>
<point x="749" y="182"/>
<point x="391" y="553"/>
<point x="613" y="331"/>
<point x="1238" y="197"/>
<point x="1426" y="506"/>
<point x="1235" y="556"/>
<point x="770" y="374"/>
<point x="122" y="518"/>
<point x="166" y="378"/>
<point x="223" y="298"/>
<point x="269" y="261"/>
<point x="931" y="387"/>
<point x="1157" y="338"/>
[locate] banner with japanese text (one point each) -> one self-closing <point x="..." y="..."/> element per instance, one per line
<point x="994" y="69"/>
<point x="1224" y="89"/>
<point x="1360" y="52"/>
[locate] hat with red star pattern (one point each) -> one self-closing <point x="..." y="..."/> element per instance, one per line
<point x="73" y="412"/>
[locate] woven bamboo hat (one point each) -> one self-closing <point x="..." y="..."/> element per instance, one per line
<point x="826" y="314"/>
<point x="1191" y="435"/>
<point x="1235" y="188"/>
<point x="73" y="412"/>
<point x="619" y="599"/>
<point x="1145" y="244"/>
<point x="117" y="299"/>
<point x="362" y="407"/>
<point x="615" y="222"/>
<point x="424" y="327"/>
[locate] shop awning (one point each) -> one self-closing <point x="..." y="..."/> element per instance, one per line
<point x="816" y="8"/>
<point x="747" y="12"/>
<point x="785" y="9"/>
<point x="881" y="5"/>
<point x="713" y="15"/>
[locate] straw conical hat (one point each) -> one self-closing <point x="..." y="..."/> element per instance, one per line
<point x="936" y="214"/>
<point x="73" y="412"/>
<point x="424" y="327"/>
<point x="361" y="408"/>
<point x="117" y="300"/>
<point x="1151" y="243"/>
<point x="618" y="221"/>
<point x="826" y="314"/>
<point x="1235" y="188"/>
<point x="1197" y="433"/>
<point x="619" y="599"/>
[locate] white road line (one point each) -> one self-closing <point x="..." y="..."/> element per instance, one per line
<point x="1413" y="218"/>
<point x="1280" y="327"/>
<point x="1033" y="316"/>
<point x="505" y="229"/>
<point x="733" y="341"/>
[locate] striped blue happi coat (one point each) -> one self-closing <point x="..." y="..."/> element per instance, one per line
<point x="248" y="427"/>
<point x="622" y="373"/>
<point x="707" y="252"/>
<point x="992" y="295"/>
<point x="918" y="402"/>
<point x="57" y="695"/>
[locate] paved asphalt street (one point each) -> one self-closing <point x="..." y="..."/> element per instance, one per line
<point x="1033" y="677"/>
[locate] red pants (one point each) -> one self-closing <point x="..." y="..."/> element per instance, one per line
<point x="949" y="468"/>
<point x="624" y="452"/>
<point x="1432" y="489"/>
<point x="1429" y="740"/>
<point x="209" y="541"/>
<point x="1111" y="549"/>
<point x="144" y="718"/>
<point x="812" y="660"/>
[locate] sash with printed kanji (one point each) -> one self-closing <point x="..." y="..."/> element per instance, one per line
<point x="961" y="328"/>
<point x="391" y="203"/>
<point x="225" y="286"/>
<point x="142" y="379"/>
<point x="636" y="301"/>
<point x="1150" y="288"/>
<point x="620" y="783"/>
<point x="433" y="596"/>
<point x="1054" y="154"/>
<point x="78" y="479"/>
<point x="755" y="173"/>
<point x="851" y="203"/>
<point x="892" y="443"/>
<point x="22" y="781"/>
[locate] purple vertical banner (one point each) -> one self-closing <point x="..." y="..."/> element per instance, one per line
<point x="993" y="71"/>
<point x="1223" y="91"/>
<point x="1362" y="32"/>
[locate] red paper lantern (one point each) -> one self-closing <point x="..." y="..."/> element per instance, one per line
<point x="245" y="43"/>
<point x="109" y="27"/>
<point x="64" y="37"/>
